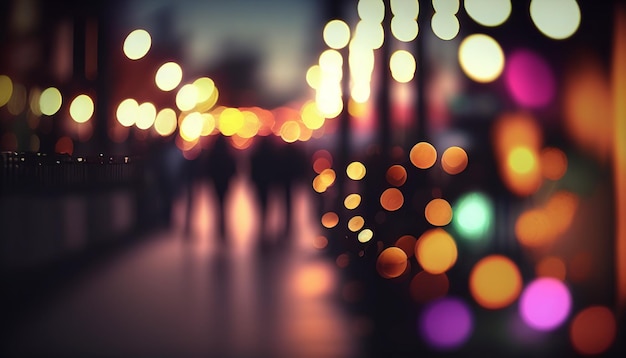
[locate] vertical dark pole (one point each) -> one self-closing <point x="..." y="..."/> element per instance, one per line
<point x="103" y="77"/>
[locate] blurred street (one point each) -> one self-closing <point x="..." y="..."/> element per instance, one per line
<point x="175" y="296"/>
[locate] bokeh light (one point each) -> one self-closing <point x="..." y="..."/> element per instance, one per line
<point x="137" y="44"/>
<point x="408" y="9"/>
<point x="6" y="89"/>
<point x="425" y="287"/>
<point x="50" y="101"/>
<point x="551" y="266"/>
<point x="322" y="159"/>
<point x="290" y="131"/>
<point x="396" y="175"/>
<point x="481" y="58"/>
<point x="407" y="244"/>
<point x="445" y="26"/>
<point x="330" y="219"/>
<point x="352" y="201"/>
<point x="446" y="324"/>
<point x="436" y="251"/>
<point x="187" y="97"/>
<point x="404" y="29"/>
<point x="495" y="282"/>
<point x="336" y="34"/>
<point x="206" y="94"/>
<point x="545" y="303"/>
<point x="423" y="155"/>
<point x="402" y="65"/>
<point x="553" y="163"/>
<point x="146" y="115"/>
<point x="230" y="121"/>
<point x="449" y="7"/>
<point x="371" y="10"/>
<point x="391" y="199"/>
<point x="127" y="112"/>
<point x="356" y="223"/>
<point x="557" y="19"/>
<point x="165" y="122"/>
<point x="391" y="262"/>
<point x="64" y="145"/>
<point x="81" y="108"/>
<point x="488" y="12"/>
<point x="522" y="160"/>
<point x="529" y="79"/>
<point x="356" y="170"/>
<point x="365" y="235"/>
<point x="438" y="212"/>
<point x="168" y="76"/>
<point x="593" y="330"/>
<point x="454" y="160"/>
<point x="191" y="126"/>
<point x="473" y="216"/>
<point x="311" y="116"/>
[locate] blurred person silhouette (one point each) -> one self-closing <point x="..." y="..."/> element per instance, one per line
<point x="263" y="173"/>
<point x="220" y="168"/>
<point x="292" y="167"/>
<point x="193" y="172"/>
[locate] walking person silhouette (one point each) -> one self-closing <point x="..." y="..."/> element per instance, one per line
<point x="221" y="167"/>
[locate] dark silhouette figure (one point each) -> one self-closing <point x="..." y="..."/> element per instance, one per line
<point x="220" y="168"/>
<point x="263" y="172"/>
<point x="292" y="168"/>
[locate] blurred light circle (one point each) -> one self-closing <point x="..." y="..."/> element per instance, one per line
<point x="187" y="97"/>
<point x="168" y="76"/>
<point x="407" y="244"/>
<point x="406" y="9"/>
<point x="454" y="160"/>
<point x="488" y="12"/>
<point x="371" y="10"/>
<point x="553" y="163"/>
<point x="127" y="112"/>
<point x="330" y="220"/>
<point x="593" y="330"/>
<point x="81" y="108"/>
<point x="473" y="215"/>
<point x="352" y="201"/>
<point x="545" y="304"/>
<point x="191" y="126"/>
<point x="355" y="170"/>
<point x="522" y="160"/>
<point x="50" y="101"/>
<point x="557" y="19"/>
<point x="365" y="235"/>
<point x="336" y="34"/>
<point x="6" y="89"/>
<point x="391" y="199"/>
<point x="356" y="223"/>
<point x="446" y="324"/>
<point x="436" y="251"/>
<point x="404" y="29"/>
<point x="445" y="26"/>
<point x="396" y="175"/>
<point x="448" y="7"/>
<point x="137" y="44"/>
<point x="495" y="282"/>
<point x="423" y="155"/>
<point x="402" y="65"/>
<point x="146" y="115"/>
<point x="165" y="122"/>
<point x="391" y="262"/>
<point x="425" y="287"/>
<point x="230" y="121"/>
<point x="438" y="212"/>
<point x="481" y="58"/>
<point x="529" y="79"/>
<point x="533" y="228"/>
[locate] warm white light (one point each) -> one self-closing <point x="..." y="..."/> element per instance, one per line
<point x="557" y="19"/>
<point x="137" y="44"/>
<point x="168" y="76"/>
<point x="81" y="108"/>
<point x="488" y="12"/>
<point x="481" y="58"/>
<point x="336" y="34"/>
